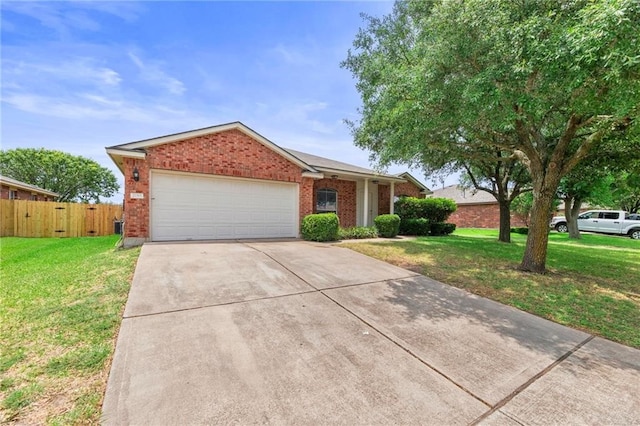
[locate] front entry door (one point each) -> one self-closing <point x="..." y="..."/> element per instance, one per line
<point x="373" y="204"/>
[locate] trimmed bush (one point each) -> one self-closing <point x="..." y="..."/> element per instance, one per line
<point x="408" y="208"/>
<point x="442" y="228"/>
<point x="358" y="232"/>
<point x="320" y="227"/>
<point x="521" y="230"/>
<point x="418" y="227"/>
<point x="388" y="225"/>
<point x="434" y="209"/>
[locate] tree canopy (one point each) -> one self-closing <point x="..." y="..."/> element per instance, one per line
<point x="74" y="178"/>
<point x="544" y="81"/>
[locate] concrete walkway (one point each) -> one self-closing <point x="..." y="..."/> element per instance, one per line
<point x="303" y="333"/>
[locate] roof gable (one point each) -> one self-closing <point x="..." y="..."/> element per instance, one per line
<point x="409" y="177"/>
<point x="136" y="149"/>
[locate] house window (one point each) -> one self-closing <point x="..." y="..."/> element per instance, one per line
<point x="327" y="201"/>
<point x="13" y="194"/>
<point x="34" y="197"/>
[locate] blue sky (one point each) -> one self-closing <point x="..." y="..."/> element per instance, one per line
<point x="80" y="76"/>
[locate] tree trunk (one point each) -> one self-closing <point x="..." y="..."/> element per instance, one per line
<point x="571" y="212"/>
<point x="535" y="253"/>
<point x="505" y="221"/>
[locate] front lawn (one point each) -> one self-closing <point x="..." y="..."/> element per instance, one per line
<point x="61" y="302"/>
<point x="592" y="284"/>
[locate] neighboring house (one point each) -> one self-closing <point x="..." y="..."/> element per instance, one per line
<point x="12" y="189"/>
<point x="583" y="208"/>
<point x="229" y="182"/>
<point x="476" y="209"/>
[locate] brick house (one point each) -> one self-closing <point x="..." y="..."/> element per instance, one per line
<point x="12" y="189"/>
<point x="229" y="182"/>
<point x="476" y="209"/>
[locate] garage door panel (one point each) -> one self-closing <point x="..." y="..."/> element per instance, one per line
<point x="188" y="206"/>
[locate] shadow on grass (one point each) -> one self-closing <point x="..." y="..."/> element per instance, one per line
<point x="587" y="287"/>
<point x="438" y="310"/>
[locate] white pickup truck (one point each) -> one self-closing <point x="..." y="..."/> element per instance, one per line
<point x="604" y="221"/>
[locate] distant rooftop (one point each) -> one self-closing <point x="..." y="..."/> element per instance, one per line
<point x="26" y="186"/>
<point x="463" y="196"/>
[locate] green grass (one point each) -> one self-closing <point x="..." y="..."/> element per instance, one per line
<point x="61" y="302"/>
<point x="592" y="284"/>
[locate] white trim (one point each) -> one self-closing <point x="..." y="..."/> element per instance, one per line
<point x="365" y="204"/>
<point x="161" y="140"/>
<point x="379" y="177"/>
<point x="313" y="175"/>
<point x="391" y="197"/>
<point x="126" y="153"/>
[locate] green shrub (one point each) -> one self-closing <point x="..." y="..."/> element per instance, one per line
<point x="414" y="226"/>
<point x="320" y="227"/>
<point x="521" y="230"/>
<point x="388" y="225"/>
<point x="408" y="208"/>
<point x="434" y="209"/>
<point x="442" y="228"/>
<point x="358" y="232"/>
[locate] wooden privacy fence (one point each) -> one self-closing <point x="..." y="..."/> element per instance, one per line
<point x="23" y="218"/>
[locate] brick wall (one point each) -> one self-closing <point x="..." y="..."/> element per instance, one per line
<point x="229" y="153"/>
<point x="346" y="198"/>
<point x="480" y="216"/>
<point x="136" y="211"/>
<point x="307" y="197"/>
<point x="384" y="192"/>
<point x="22" y="194"/>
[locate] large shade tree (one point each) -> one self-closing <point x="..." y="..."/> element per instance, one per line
<point x="544" y="81"/>
<point x="74" y="178"/>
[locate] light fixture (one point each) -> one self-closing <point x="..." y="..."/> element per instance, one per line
<point x="375" y="181"/>
<point x="334" y="176"/>
<point x="136" y="174"/>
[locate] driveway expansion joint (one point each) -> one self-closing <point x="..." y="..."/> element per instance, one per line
<point x="412" y="274"/>
<point x="213" y="305"/>
<point x="532" y="380"/>
<point x="407" y="350"/>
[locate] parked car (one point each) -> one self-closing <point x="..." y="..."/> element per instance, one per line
<point x="605" y="221"/>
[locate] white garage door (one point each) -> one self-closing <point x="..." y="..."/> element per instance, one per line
<point x="198" y="207"/>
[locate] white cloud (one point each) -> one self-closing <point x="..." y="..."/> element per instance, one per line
<point x="79" y="70"/>
<point x="73" y="108"/>
<point x="125" y="10"/>
<point x="53" y="16"/>
<point x="65" y="17"/>
<point x="291" y="55"/>
<point x="208" y="82"/>
<point x="152" y="73"/>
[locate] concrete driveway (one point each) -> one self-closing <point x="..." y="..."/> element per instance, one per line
<point x="303" y="333"/>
